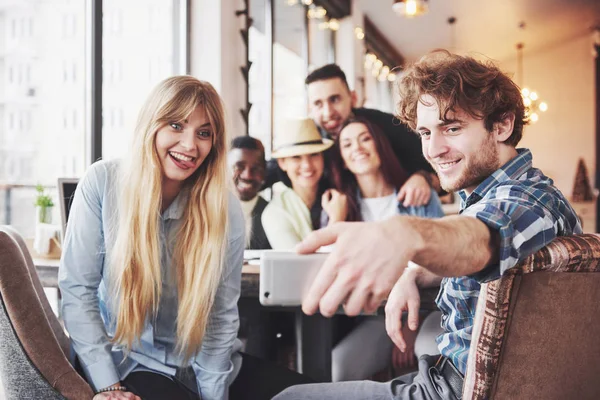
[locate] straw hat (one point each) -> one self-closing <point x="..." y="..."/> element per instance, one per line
<point x="297" y="137"/>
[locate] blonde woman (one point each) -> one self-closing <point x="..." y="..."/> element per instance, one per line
<point x="151" y="270"/>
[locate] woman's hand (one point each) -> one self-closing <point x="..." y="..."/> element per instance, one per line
<point x="335" y="205"/>
<point x="116" y="395"/>
<point x="415" y="191"/>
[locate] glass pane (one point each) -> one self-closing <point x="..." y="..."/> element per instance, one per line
<point x="139" y="50"/>
<point x="289" y="63"/>
<point x="320" y="38"/>
<point x="259" y="81"/>
<point x="42" y="103"/>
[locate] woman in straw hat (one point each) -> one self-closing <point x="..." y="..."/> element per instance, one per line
<point x="295" y="209"/>
<point x="367" y="175"/>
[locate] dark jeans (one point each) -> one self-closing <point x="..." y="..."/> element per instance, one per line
<point x="257" y="380"/>
<point x="150" y="386"/>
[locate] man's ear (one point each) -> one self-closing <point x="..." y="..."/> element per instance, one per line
<point x="281" y="164"/>
<point x="504" y="128"/>
<point x="353" y="98"/>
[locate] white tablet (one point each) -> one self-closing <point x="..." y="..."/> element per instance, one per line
<point x="286" y="276"/>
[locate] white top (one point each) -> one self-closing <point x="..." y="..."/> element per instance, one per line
<point x="286" y="219"/>
<point x="378" y="208"/>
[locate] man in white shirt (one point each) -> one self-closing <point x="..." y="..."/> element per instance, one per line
<point x="247" y="161"/>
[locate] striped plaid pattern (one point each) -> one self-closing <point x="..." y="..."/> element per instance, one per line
<point x="522" y="205"/>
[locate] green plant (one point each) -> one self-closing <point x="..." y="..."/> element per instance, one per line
<point x="42" y="200"/>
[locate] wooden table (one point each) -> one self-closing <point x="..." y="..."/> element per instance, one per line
<point x="314" y="334"/>
<point x="47" y="270"/>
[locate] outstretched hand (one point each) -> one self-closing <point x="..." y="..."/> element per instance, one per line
<point x="368" y="257"/>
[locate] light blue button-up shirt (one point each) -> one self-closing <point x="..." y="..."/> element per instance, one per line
<point x="87" y="308"/>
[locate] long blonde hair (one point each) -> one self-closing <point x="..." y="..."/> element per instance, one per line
<point x="201" y="241"/>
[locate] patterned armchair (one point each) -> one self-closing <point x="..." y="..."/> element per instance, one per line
<point x="33" y="345"/>
<point x="537" y="329"/>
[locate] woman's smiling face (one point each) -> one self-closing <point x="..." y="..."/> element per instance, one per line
<point x="182" y="146"/>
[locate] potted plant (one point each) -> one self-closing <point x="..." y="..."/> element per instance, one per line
<point x="43" y="206"/>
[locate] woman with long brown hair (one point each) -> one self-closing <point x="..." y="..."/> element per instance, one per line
<point x="366" y="176"/>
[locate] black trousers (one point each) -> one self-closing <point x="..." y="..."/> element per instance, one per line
<point x="257" y="380"/>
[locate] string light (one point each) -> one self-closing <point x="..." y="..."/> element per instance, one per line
<point x="316" y="12"/>
<point x="360" y="34"/>
<point x="531" y="100"/>
<point x="334" y="24"/>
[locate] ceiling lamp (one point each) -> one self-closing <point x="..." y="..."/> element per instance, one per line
<point x="410" y="8"/>
<point x="533" y="104"/>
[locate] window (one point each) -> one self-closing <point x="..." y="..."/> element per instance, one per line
<point x="45" y="103"/>
<point x="40" y="134"/>
<point x="153" y="40"/>
<point x="289" y="53"/>
<point x="289" y="64"/>
<point x="259" y="78"/>
<point x="321" y="47"/>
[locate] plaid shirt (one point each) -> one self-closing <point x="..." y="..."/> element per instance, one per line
<point x="528" y="212"/>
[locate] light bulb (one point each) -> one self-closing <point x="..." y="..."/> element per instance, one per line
<point x="307" y="2"/>
<point x="533" y="96"/>
<point x="525" y="92"/>
<point x="378" y="64"/>
<point x="391" y="77"/>
<point x="534" y="117"/>
<point x="385" y="70"/>
<point x="411" y="8"/>
<point x="334" y="24"/>
<point x="360" y="34"/>
<point x="543" y="107"/>
<point x="527" y="101"/>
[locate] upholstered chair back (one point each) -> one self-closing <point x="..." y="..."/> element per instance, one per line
<point x="537" y="329"/>
<point x="33" y="346"/>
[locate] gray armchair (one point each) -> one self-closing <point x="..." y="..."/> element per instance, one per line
<point x="33" y="345"/>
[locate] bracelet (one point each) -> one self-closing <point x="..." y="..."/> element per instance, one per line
<point x="112" y="389"/>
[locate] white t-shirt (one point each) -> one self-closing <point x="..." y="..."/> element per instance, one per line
<point x="378" y="208"/>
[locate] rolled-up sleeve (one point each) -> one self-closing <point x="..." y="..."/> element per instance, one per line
<point x="523" y="226"/>
<point x="213" y="365"/>
<point x="80" y="275"/>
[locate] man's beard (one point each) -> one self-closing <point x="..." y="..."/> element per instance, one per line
<point x="484" y="164"/>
